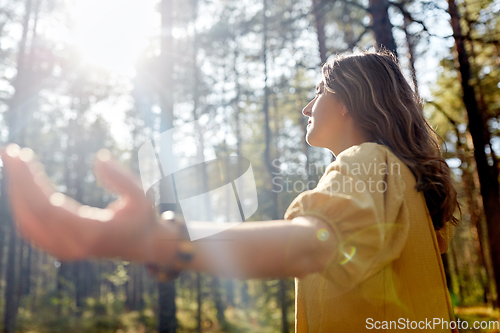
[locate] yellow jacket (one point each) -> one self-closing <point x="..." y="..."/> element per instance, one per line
<point x="386" y="273"/>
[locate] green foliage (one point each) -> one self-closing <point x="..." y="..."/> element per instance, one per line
<point x="65" y="126"/>
<point x="58" y="314"/>
<point x="119" y="277"/>
<point x="53" y="312"/>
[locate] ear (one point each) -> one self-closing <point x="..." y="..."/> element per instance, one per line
<point x="344" y="110"/>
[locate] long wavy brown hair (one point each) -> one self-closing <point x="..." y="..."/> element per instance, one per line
<point x="375" y="92"/>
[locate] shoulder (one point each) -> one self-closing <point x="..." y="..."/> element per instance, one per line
<point x="367" y="159"/>
<point x="365" y="152"/>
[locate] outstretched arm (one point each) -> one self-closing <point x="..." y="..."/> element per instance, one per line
<point x="267" y="249"/>
<point x="128" y="228"/>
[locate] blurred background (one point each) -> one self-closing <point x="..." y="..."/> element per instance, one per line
<point x="80" y="75"/>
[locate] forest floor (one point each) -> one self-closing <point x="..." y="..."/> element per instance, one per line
<point x="484" y="315"/>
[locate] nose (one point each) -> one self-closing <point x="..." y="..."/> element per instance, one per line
<point x="306" y="111"/>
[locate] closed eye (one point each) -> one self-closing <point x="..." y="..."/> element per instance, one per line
<point x="319" y="89"/>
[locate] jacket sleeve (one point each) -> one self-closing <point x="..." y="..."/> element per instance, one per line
<point x="361" y="198"/>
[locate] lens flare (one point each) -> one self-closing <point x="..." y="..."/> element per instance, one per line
<point x="348" y="254"/>
<point x="323" y="234"/>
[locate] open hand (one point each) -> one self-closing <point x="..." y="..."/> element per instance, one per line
<point x="127" y="228"/>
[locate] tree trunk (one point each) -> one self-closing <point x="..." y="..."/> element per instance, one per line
<point x="267" y="152"/>
<point x="237" y="133"/>
<point x="27" y="271"/>
<point x="15" y="118"/>
<point x="474" y="206"/>
<point x="229" y="287"/>
<point x="476" y="216"/>
<point x="483" y="108"/>
<point x="285" y="327"/>
<point x="410" y="40"/>
<point x="140" y="287"/>
<point x="166" y="66"/>
<point x="167" y="321"/>
<point x="132" y="288"/>
<point x="455" y="270"/>
<point x="79" y="281"/>
<point x="245" y="297"/>
<point x="489" y="184"/>
<point x="10" y="313"/>
<point x="319" y="22"/>
<point x="21" y="262"/>
<point x="446" y="266"/>
<point x="219" y="305"/>
<point x="137" y="288"/>
<point x="381" y="25"/>
<point x="199" y="299"/>
<point x="63" y="277"/>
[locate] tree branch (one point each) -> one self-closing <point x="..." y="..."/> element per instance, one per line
<point x="440" y="109"/>
<point x="407" y="15"/>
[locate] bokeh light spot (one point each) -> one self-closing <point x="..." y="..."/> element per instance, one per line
<point x="57" y="199"/>
<point x="26" y="154"/>
<point x="13" y="150"/>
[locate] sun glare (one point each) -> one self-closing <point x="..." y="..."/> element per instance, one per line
<point x="112" y="33"/>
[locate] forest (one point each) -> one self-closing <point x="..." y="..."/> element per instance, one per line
<point x="77" y="76"/>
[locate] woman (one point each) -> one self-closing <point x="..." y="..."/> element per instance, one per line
<point x="364" y="245"/>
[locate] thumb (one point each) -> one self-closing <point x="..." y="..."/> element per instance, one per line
<point x="115" y="177"/>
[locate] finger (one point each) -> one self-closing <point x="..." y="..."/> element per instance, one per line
<point x="22" y="181"/>
<point x="30" y="201"/>
<point x="28" y="181"/>
<point x="44" y="215"/>
<point x="117" y="178"/>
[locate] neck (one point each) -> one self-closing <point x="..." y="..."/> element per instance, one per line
<point x="354" y="138"/>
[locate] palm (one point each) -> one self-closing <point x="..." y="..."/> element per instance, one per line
<point x="70" y="231"/>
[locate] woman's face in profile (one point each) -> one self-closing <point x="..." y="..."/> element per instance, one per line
<point x="327" y="126"/>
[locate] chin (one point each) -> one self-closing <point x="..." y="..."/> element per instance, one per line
<point x="314" y="142"/>
<point x="309" y="141"/>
